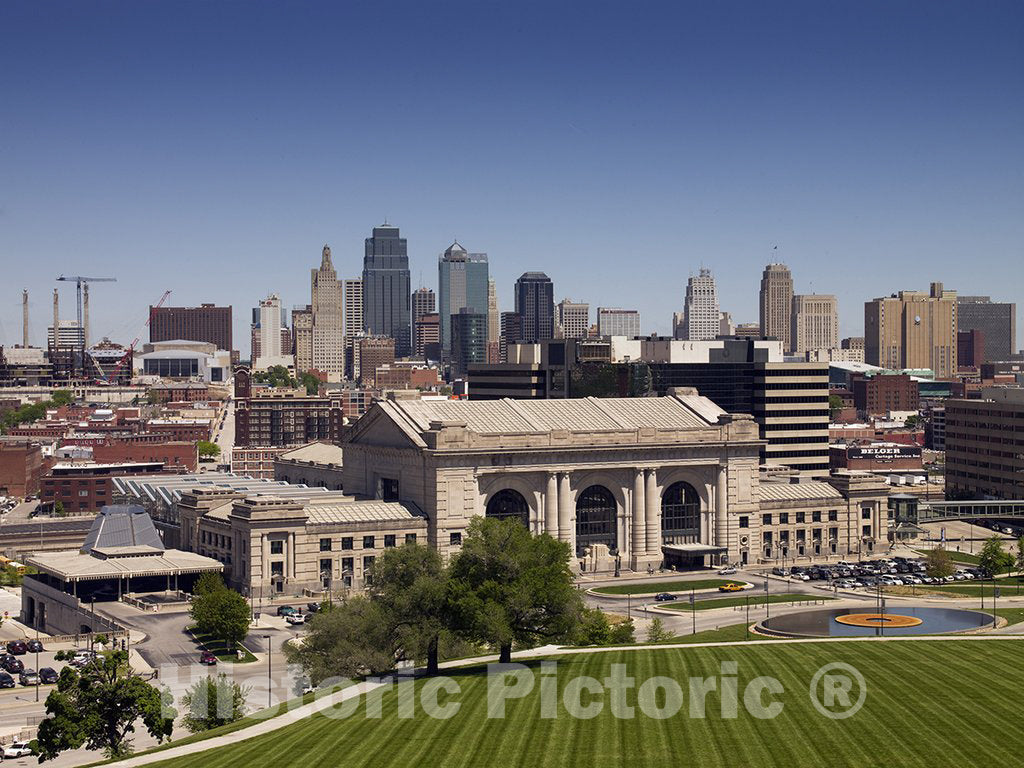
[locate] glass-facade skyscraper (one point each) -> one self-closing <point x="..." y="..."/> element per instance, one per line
<point x="386" y="288"/>
<point x="462" y="280"/>
<point x="535" y="305"/>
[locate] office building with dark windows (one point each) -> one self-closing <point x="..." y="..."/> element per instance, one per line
<point x="386" y="291"/>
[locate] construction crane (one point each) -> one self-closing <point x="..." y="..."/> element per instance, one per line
<point x="131" y="347"/>
<point x="79" y="281"/>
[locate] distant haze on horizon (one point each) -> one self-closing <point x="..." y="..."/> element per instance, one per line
<point x="213" y="149"/>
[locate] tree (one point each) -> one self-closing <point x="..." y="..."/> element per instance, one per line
<point x="275" y="376"/>
<point x="310" y="382"/>
<point x="835" y="404"/>
<point x="657" y="633"/>
<point x="1020" y="555"/>
<point x="350" y="639"/>
<point x="912" y="420"/>
<point x="97" y="707"/>
<point x="212" y="702"/>
<point x="220" y="612"/>
<point x="61" y="397"/>
<point x="58" y="508"/>
<point x="208" y="449"/>
<point x="595" y="628"/>
<point x="993" y="558"/>
<point x="410" y="585"/>
<point x="939" y="564"/>
<point x="511" y="587"/>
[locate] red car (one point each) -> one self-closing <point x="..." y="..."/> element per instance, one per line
<point x="17" y="648"/>
<point x="207" y="658"/>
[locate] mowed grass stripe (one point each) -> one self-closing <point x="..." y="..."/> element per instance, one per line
<point x="929" y="704"/>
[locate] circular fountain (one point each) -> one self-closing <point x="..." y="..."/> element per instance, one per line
<point x="848" y="622"/>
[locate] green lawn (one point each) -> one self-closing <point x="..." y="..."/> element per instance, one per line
<point x="1008" y="587"/>
<point x="218" y="649"/>
<point x="922" y="709"/>
<point x="653" y="588"/>
<point x="731" y="633"/>
<point x="730" y="602"/>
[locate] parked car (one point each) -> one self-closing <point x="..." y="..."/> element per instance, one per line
<point x="312" y="607"/>
<point x="285" y="610"/>
<point x="12" y="665"/>
<point x="82" y="657"/>
<point x="780" y="571"/>
<point x="664" y="597"/>
<point x="17" y="749"/>
<point x="732" y="587"/>
<point x="17" y="647"/>
<point x="6" y="681"/>
<point x="35" y="646"/>
<point x="727" y="571"/>
<point x="28" y="677"/>
<point x="207" y="658"/>
<point x="295" y="618"/>
<point x="48" y="676"/>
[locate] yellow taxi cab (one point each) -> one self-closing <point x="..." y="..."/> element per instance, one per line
<point x="731" y="587"/>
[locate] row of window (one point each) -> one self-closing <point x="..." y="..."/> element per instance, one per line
<point x="348" y="542"/>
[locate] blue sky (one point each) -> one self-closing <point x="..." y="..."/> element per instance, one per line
<point x="213" y="148"/>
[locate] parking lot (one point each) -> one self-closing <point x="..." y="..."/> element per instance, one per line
<point x="895" y="571"/>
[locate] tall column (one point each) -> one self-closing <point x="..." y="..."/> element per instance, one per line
<point x="551" y="506"/>
<point x="721" y="508"/>
<point x="566" y="518"/>
<point x="639" y="540"/>
<point x="652" y="523"/>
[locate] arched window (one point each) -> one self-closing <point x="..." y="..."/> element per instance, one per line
<point x="596" y="519"/>
<point x="508" y="503"/>
<point x="680" y="511"/>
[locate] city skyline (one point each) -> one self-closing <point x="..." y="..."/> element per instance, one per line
<point x="865" y="153"/>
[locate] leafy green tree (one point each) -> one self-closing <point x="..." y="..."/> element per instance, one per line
<point x="410" y="585"/>
<point x="58" y="508"/>
<point x="97" y="707"/>
<point x="993" y="558"/>
<point x="835" y="404"/>
<point x="938" y="563"/>
<point x="212" y="702"/>
<point x="595" y="628"/>
<point x="62" y="397"/>
<point x="220" y="612"/>
<point x="657" y="633"/>
<point x="310" y="382"/>
<point x="350" y="639"/>
<point x="208" y="449"/>
<point x="275" y="376"/>
<point x="511" y="587"/>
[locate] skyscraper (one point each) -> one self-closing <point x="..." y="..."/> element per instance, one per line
<point x="701" y="317"/>
<point x="422" y="303"/>
<point x="352" y="307"/>
<point x="777" y="304"/>
<point x="618" y="322"/>
<point x="493" y="315"/>
<point x="469" y="340"/>
<point x="386" y="288"/>
<point x="535" y="305"/>
<point x="302" y="337"/>
<point x="268" y="348"/>
<point x="573" y="319"/>
<point x="203" y="323"/>
<point x="423" y="307"/>
<point x="462" y="280"/>
<point x="815" y="323"/>
<point x="997" y="322"/>
<point x="913" y="329"/>
<point x="327" y="340"/>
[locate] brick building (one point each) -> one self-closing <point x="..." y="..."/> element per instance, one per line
<point x="85" y="488"/>
<point x="374" y="351"/>
<point x="205" y="323"/>
<point x="21" y="467"/>
<point x="875" y="457"/>
<point x="878" y="395"/>
<point x="283" y="417"/>
<point x="175" y="456"/>
<point x="985" y="445"/>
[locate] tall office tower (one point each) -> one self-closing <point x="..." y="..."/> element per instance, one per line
<point x="427" y="337"/>
<point x="700" y="312"/>
<point x="352" y="307"/>
<point x="203" y="323"/>
<point x="493" y="315"/>
<point x="777" y="304"/>
<point x="814" y="323"/>
<point x="573" y="319"/>
<point x="725" y="326"/>
<point x="462" y="279"/>
<point x="374" y="351"/>
<point x="511" y="333"/>
<point x="69" y="336"/>
<point x="302" y="337"/>
<point x="327" y="342"/>
<point x="386" y="288"/>
<point x="997" y="322"/>
<point x="535" y="304"/>
<point x="270" y="337"/>
<point x="618" y="322"/>
<point x="469" y="340"/>
<point x="422" y="303"/>
<point x="913" y="329"/>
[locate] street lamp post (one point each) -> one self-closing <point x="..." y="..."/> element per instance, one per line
<point x="767" y="613"/>
<point x="747" y="623"/>
<point x="38" y="681"/>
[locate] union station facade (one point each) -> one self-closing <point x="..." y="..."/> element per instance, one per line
<point x="630" y="482"/>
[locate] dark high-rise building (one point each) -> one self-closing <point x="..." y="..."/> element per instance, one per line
<point x="511" y="333"/>
<point x="469" y="340"/>
<point x="203" y="323"/>
<point x="535" y="305"/>
<point x="970" y="349"/>
<point x="462" y="280"/>
<point x="997" y="322"/>
<point x="386" y="288"/>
